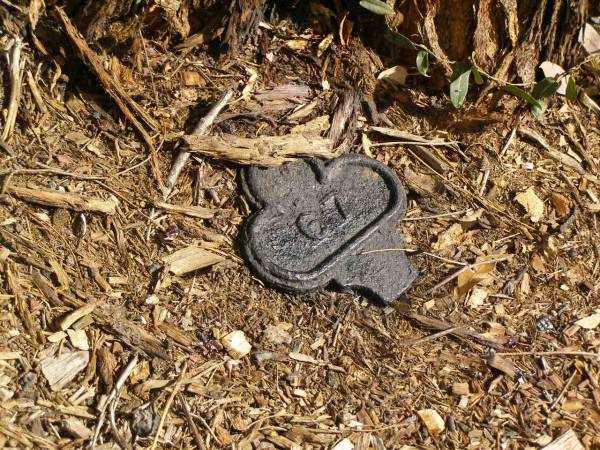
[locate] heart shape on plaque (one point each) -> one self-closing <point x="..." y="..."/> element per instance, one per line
<point x="319" y="222"/>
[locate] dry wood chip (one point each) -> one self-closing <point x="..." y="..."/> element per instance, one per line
<point x="78" y="339"/>
<point x="460" y="388"/>
<point x="532" y="204"/>
<point x="74" y="316"/>
<point x="261" y="150"/>
<point x="396" y="75"/>
<point x="77" y="429"/>
<point x="236" y="344"/>
<point x="283" y="442"/>
<point x="57" y="337"/>
<point x="589" y="322"/>
<point x="301" y="357"/>
<point x="60" y="370"/>
<point x="567" y="441"/>
<point x="188" y="259"/>
<point x="191" y="211"/>
<point x="7" y="356"/>
<point x="432" y="420"/>
<point x="503" y="365"/>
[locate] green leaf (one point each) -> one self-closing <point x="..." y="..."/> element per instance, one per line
<point x="460" y="84"/>
<point x="518" y="92"/>
<point x="400" y="40"/>
<point x="538" y="109"/>
<point x="423" y="62"/>
<point x="571" y="90"/>
<point x="476" y="75"/>
<point x="545" y="88"/>
<point x="377" y="7"/>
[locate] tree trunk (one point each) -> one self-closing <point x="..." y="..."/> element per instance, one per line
<point x="524" y="32"/>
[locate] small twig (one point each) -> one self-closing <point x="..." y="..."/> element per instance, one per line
<point x="113" y="394"/>
<point x="191" y="423"/>
<point x="553" y="353"/>
<point x="428" y="144"/>
<point x="435" y="216"/>
<point x="209" y="429"/>
<point x="434" y="336"/>
<point x="464" y="269"/>
<point x="564" y="389"/>
<point x="201" y="128"/>
<point x="168" y="405"/>
<point x="511" y="137"/>
<point x="15" y="88"/>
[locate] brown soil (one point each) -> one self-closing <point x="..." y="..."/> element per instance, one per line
<point x="339" y="367"/>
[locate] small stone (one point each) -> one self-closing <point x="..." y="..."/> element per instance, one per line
<point x="236" y="344"/>
<point x="143" y="422"/>
<point x="432" y="420"/>
<point x="544" y="324"/>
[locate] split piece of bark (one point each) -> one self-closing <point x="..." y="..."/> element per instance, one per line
<point x="191" y="211"/>
<point x="189" y="259"/>
<point x="62" y="369"/>
<point x="263" y="151"/>
<point x="550" y="151"/>
<point x="567" y="441"/>
<point x="432" y="420"/>
<point x="66" y="200"/>
<point x="130" y="109"/>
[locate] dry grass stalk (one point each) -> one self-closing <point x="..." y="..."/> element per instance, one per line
<point x="168" y="405"/>
<point x="262" y="150"/>
<point x="67" y="200"/>
<point x="16" y="73"/>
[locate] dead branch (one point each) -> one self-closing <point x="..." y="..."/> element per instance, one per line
<point x="67" y="200"/>
<point x="262" y="150"/>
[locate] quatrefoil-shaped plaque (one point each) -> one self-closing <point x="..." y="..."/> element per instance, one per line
<point x="320" y="223"/>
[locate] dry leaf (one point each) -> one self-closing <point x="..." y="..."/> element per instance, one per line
<point x="589" y="38"/>
<point x="396" y="75"/>
<point x="561" y="204"/>
<point x="469" y="278"/>
<point x="532" y="204"/>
